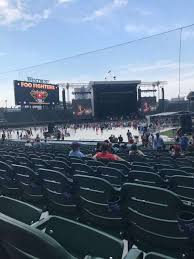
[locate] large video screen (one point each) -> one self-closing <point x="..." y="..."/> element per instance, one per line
<point x="28" y="93"/>
<point x="148" y="104"/>
<point x="115" y="99"/>
<point x="82" y="108"/>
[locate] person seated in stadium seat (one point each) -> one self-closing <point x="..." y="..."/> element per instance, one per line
<point x="106" y="154"/>
<point x="28" y="144"/>
<point x="175" y="150"/>
<point x="75" y="150"/>
<point x="184" y="142"/>
<point x="135" y="153"/>
<point x="37" y="143"/>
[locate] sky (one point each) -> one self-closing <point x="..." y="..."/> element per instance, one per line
<point x="33" y="32"/>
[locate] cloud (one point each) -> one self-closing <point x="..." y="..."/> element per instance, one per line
<point x="163" y="70"/>
<point x="106" y="10"/>
<point x="17" y="12"/>
<point x="64" y="1"/>
<point x="143" y="12"/>
<point x="3" y="54"/>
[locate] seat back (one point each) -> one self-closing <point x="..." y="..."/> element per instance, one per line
<point x="122" y="167"/>
<point x="61" y="166"/>
<point x="22" y="241"/>
<point x="152" y="213"/>
<point x="54" y="180"/>
<point x="24" y="174"/>
<point x="19" y="210"/>
<point x="73" y="235"/>
<point x="149" y="200"/>
<point x="82" y="169"/>
<point x="112" y="175"/>
<point x="146" y="178"/>
<point x="165" y="173"/>
<point x="183" y="186"/>
<point x="95" y="195"/>
<point x="142" y="168"/>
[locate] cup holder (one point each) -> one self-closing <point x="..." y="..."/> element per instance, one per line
<point x="186" y="223"/>
<point x="114" y="204"/>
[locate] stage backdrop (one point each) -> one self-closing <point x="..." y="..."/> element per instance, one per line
<point x="114" y="98"/>
<point x="27" y="93"/>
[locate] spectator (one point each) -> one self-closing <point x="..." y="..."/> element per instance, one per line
<point x="129" y="135"/>
<point x="106" y="154"/>
<point x="175" y="150"/>
<point x="184" y="141"/>
<point x="3" y="137"/>
<point x="37" y="143"/>
<point x="120" y="138"/>
<point x="158" y="142"/>
<point x="134" y="153"/>
<point x="75" y="152"/>
<point x="28" y="144"/>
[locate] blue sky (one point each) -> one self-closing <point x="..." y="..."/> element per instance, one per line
<point x="36" y="31"/>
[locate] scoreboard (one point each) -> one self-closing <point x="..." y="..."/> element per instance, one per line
<point x="29" y="93"/>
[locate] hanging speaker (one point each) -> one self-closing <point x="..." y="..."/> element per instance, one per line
<point x="64" y="99"/>
<point x="139" y="97"/>
<point x="186" y="123"/>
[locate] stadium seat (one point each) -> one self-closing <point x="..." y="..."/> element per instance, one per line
<point x="24" y="161"/>
<point x="19" y="210"/>
<point x="122" y="167"/>
<point x="61" y="166"/>
<point x="59" y="192"/>
<point x="94" y="164"/>
<point x="151" y="213"/>
<point x="20" y="241"/>
<point x="189" y="170"/>
<point x="76" y="160"/>
<point x="166" y="173"/>
<point x="80" y="168"/>
<point x="148" y="169"/>
<point x="183" y="186"/>
<point x="29" y="183"/>
<point x="81" y="240"/>
<point x="112" y="175"/>
<point x="146" y="178"/>
<point x="157" y="256"/>
<point x="39" y="163"/>
<point x="99" y="202"/>
<point x="8" y="184"/>
<point x="9" y="159"/>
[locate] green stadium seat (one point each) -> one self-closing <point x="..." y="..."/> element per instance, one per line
<point x="81" y="240"/>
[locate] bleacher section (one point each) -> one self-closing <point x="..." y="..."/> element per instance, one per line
<point x="33" y="117"/>
<point x="94" y="205"/>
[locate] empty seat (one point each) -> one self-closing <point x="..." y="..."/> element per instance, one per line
<point x="166" y="173"/>
<point x="29" y="183"/>
<point x="146" y="178"/>
<point x="20" y="241"/>
<point x="152" y="213"/>
<point x="59" y="192"/>
<point x="142" y="168"/>
<point x="112" y="175"/>
<point x="99" y="202"/>
<point x="183" y="186"/>
<point x="82" y="169"/>
<point x="122" y="167"/>
<point x="81" y="240"/>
